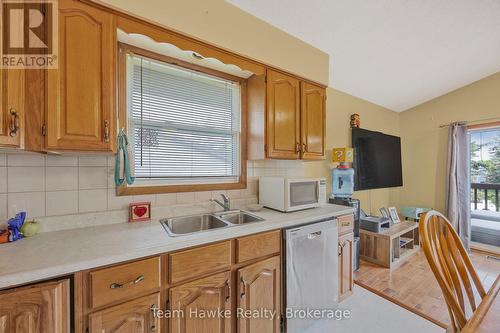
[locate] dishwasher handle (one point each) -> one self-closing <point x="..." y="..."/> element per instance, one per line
<point x="314" y="235"/>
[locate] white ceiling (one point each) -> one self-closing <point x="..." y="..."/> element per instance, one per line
<point x="397" y="54"/>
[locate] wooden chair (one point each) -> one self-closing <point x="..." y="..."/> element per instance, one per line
<point x="451" y="266"/>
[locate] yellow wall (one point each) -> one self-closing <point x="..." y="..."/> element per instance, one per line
<point x="339" y="107"/>
<point x="219" y="23"/>
<point x="425" y="144"/>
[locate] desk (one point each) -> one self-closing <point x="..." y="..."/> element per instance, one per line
<point x="486" y="318"/>
<point x="386" y="248"/>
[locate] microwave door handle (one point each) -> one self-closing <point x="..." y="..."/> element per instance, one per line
<point x="286" y="199"/>
<point x="318" y="186"/>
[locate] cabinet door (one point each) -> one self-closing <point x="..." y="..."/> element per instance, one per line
<point x="260" y="290"/>
<point x="12" y="107"/>
<point x="136" y="316"/>
<point x="283" y="116"/>
<point x="81" y="111"/>
<point x="345" y="265"/>
<point x="313" y="115"/>
<point x="199" y="302"/>
<point x="41" y="308"/>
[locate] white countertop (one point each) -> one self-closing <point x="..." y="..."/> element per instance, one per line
<point x="58" y="253"/>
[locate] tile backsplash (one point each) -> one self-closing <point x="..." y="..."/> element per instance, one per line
<point x="52" y="185"/>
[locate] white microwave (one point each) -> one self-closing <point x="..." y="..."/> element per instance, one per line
<point x="291" y="194"/>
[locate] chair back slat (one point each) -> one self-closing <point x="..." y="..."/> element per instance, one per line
<point x="456" y="286"/>
<point x="462" y="271"/>
<point x="451" y="266"/>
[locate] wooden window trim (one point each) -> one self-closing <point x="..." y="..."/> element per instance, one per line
<point x="125" y="189"/>
<point x="484" y="125"/>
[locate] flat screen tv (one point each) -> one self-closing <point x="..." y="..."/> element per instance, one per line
<point x="377" y="160"/>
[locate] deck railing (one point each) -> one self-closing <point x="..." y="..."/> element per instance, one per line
<point x="490" y="191"/>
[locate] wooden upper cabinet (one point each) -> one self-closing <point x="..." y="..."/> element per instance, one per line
<point x="81" y="92"/>
<point x="313" y="118"/>
<point x="283" y="116"/>
<point x="286" y="118"/>
<point x="38" y="308"/>
<point x="12" y="107"/>
<point x="136" y="316"/>
<point x="209" y="294"/>
<point x="260" y="289"/>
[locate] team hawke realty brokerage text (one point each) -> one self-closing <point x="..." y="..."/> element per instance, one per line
<point x="306" y="313"/>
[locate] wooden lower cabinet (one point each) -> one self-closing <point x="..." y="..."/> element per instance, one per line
<point x="260" y="289"/>
<point x="345" y="265"/>
<point x="135" y="316"/>
<point x="191" y="301"/>
<point x="41" y="308"/>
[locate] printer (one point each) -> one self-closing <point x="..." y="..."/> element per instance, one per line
<point x="374" y="223"/>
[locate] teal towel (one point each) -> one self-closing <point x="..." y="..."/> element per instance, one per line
<point x="122" y="152"/>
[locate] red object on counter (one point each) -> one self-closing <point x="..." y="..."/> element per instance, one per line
<point x="4" y="236"/>
<point x="139" y="211"/>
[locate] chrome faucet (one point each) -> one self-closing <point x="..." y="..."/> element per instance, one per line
<point x="226" y="204"/>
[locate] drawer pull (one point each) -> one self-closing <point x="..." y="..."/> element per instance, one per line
<point x="346" y="224"/>
<point x="116" y="285"/>
<point x="14" y="122"/>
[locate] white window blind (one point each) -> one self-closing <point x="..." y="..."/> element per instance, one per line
<point x="184" y="126"/>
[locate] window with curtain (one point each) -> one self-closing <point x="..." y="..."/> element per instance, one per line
<point x="183" y="126"/>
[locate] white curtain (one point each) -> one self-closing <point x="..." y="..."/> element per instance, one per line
<point x="458" y="183"/>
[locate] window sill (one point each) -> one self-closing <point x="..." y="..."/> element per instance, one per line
<point x="157" y="189"/>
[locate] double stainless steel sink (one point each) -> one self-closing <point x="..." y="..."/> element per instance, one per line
<point x="186" y="225"/>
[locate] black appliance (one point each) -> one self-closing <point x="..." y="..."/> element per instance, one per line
<point x="377" y="160"/>
<point x="357" y="211"/>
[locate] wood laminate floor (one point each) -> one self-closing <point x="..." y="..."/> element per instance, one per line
<point x="413" y="286"/>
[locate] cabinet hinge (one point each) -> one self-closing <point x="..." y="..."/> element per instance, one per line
<point x="44" y="130"/>
<point x="168" y="305"/>
<point x="282" y="324"/>
<point x="87" y="330"/>
<point x="265" y="148"/>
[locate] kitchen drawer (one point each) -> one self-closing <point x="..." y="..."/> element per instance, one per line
<point x="126" y="281"/>
<point x="196" y="262"/>
<point x="345" y="224"/>
<point x="260" y="245"/>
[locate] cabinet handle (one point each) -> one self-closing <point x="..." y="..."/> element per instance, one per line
<point x="117" y="285"/>
<point x="106" y="131"/>
<point x="243" y="288"/>
<point x="153" y="318"/>
<point x="228" y="291"/>
<point x="14" y="122"/>
<point x="304" y="147"/>
<point x="340" y="250"/>
<point x="297" y="147"/>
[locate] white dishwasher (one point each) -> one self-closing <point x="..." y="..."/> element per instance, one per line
<point x="311" y="273"/>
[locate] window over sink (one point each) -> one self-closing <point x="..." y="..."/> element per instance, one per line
<point x="184" y="124"/>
